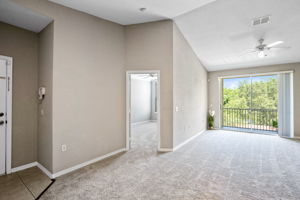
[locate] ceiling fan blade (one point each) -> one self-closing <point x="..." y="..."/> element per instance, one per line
<point x="279" y="48"/>
<point x="249" y="52"/>
<point x="274" y="44"/>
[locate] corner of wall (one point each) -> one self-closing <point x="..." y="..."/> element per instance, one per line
<point x="45" y="133"/>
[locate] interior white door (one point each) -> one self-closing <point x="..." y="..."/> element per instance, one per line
<point x="3" y="94"/>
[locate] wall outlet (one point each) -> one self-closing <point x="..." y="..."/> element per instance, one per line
<point x="176" y="109"/>
<point x="63" y="147"/>
<point x="42" y="112"/>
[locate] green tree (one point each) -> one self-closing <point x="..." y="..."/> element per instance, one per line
<point x="261" y="96"/>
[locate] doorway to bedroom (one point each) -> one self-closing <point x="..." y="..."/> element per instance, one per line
<point x="143" y="110"/>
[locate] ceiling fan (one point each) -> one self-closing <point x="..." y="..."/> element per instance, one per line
<point x="262" y="48"/>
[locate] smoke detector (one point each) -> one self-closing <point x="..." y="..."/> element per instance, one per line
<point x="261" y="20"/>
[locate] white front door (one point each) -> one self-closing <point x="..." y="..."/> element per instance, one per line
<point x="3" y="95"/>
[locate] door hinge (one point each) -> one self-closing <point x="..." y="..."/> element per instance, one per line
<point x="8" y="83"/>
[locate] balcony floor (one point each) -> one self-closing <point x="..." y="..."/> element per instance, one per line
<point x="248" y="130"/>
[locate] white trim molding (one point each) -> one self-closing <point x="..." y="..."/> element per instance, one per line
<point x="256" y="74"/>
<point x="30" y="165"/>
<point x="20" y="168"/>
<point x="45" y="170"/>
<point x="66" y="171"/>
<point x="8" y="142"/>
<point x="128" y="100"/>
<point x="182" y="144"/>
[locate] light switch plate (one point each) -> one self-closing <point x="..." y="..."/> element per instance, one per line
<point x="63" y="147"/>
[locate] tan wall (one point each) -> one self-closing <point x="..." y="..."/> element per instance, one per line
<point x="88" y="104"/>
<point x="22" y="45"/>
<point x="88" y="88"/>
<point x="149" y="46"/>
<point x="45" y="76"/>
<point x="213" y="87"/>
<point x="190" y="91"/>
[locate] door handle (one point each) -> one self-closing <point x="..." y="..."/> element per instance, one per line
<point x="1" y="123"/>
<point x="1" y="114"/>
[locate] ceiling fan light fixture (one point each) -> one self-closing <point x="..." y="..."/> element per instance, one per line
<point x="261" y="54"/>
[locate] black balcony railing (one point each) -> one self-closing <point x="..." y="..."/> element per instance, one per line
<point x="254" y="119"/>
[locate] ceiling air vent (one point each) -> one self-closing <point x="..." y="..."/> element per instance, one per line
<point x="261" y="20"/>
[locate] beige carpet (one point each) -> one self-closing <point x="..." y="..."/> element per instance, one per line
<point x="216" y="165"/>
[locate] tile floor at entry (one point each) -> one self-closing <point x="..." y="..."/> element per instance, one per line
<point x="23" y="185"/>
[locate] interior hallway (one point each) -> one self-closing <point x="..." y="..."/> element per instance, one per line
<point x="216" y="165"/>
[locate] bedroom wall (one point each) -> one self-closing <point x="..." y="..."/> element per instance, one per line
<point x="140" y="100"/>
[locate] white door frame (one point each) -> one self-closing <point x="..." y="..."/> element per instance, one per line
<point x="9" y="64"/>
<point x="128" y="100"/>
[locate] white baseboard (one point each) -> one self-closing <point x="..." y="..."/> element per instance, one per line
<point x="45" y="170"/>
<point x="20" y="168"/>
<point x="66" y="171"/>
<point x="33" y="164"/>
<point x="180" y="145"/>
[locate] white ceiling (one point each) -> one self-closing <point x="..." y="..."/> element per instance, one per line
<point x="127" y="11"/>
<point x="221" y="31"/>
<point x="16" y="15"/>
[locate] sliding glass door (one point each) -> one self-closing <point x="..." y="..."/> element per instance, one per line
<point x="250" y="103"/>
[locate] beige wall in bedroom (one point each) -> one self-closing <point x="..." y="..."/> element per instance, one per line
<point x="213" y="87"/>
<point x="149" y="46"/>
<point x="88" y="52"/>
<point x="45" y="79"/>
<point x="22" y="45"/>
<point x="189" y="91"/>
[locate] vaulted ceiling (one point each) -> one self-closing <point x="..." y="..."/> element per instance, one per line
<point x="128" y="11"/>
<point x="222" y="31"/>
